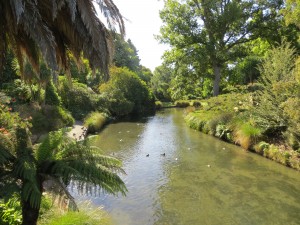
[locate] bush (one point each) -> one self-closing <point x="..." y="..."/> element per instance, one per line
<point x="118" y="106"/>
<point x="51" y="96"/>
<point x="95" y="121"/>
<point x="247" y="135"/>
<point x="19" y="90"/>
<point x="10" y="211"/>
<point x="182" y="103"/>
<point x="125" y="85"/>
<point x="196" y="103"/>
<point x="79" y="99"/>
<point x="260" y="147"/>
<point x="50" y="118"/>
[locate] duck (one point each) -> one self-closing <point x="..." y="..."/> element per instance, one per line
<point x="163" y="154"/>
<point x="147" y="155"/>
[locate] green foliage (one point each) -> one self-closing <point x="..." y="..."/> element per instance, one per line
<point x="205" y="36"/>
<point x="160" y="82"/>
<point x="292" y="12"/>
<point x="9" y="71"/>
<point x="95" y="121"/>
<point x="61" y="160"/>
<point x="124" y="90"/>
<point x="125" y="54"/>
<point x="247" y="135"/>
<point x="51" y="95"/>
<point x="158" y="105"/>
<point x="79" y="99"/>
<point x="274" y="112"/>
<point x="47" y="118"/>
<point x="88" y="214"/>
<point x="10" y="211"/>
<point x="196" y="103"/>
<point x="246" y="71"/>
<point x="19" y="90"/>
<point x="80" y="72"/>
<point x="182" y="103"/>
<point x="260" y="147"/>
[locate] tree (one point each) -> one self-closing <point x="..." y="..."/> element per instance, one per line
<point x="57" y="162"/>
<point x="125" y="54"/>
<point x="160" y="82"/>
<point x="215" y="29"/>
<point x="53" y="28"/>
<point x="127" y="93"/>
<point x="292" y="12"/>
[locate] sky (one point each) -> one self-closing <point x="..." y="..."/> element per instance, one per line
<point x="141" y="24"/>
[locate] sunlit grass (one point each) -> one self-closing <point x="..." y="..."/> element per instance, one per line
<point x="88" y="214"/>
<point x="95" y="121"/>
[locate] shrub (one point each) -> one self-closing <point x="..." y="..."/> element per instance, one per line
<point x="18" y="89"/>
<point x="246" y="135"/>
<point x="260" y="147"/>
<point x="182" y="103"/>
<point x="196" y="103"/>
<point x="50" y="118"/>
<point x="10" y="211"/>
<point x="125" y="85"/>
<point x="158" y="104"/>
<point x="95" y="121"/>
<point x="118" y="106"/>
<point x="79" y="99"/>
<point x="295" y="160"/>
<point x="51" y="96"/>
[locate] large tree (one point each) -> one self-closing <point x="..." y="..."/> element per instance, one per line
<point x="53" y="28"/>
<point x="215" y="29"/>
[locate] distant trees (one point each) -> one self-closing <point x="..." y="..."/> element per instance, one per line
<point x="126" y="55"/>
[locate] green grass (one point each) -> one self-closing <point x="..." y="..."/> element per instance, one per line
<point x="87" y="215"/>
<point x="95" y="121"/>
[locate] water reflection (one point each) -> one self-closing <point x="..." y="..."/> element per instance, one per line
<point x="180" y="188"/>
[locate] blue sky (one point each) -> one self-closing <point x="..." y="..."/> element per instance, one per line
<point x="142" y="24"/>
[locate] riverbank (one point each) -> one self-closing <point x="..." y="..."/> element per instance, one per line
<point x="78" y="131"/>
<point x="214" y="124"/>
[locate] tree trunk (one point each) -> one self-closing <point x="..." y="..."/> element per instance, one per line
<point x="217" y="73"/>
<point x="30" y="215"/>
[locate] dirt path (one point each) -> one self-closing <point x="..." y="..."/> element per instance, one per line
<point x="78" y="131"/>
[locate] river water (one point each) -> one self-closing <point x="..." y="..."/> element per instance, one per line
<point x="200" y="180"/>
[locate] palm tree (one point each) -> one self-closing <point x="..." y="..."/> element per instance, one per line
<point x="58" y="161"/>
<point x="53" y="28"/>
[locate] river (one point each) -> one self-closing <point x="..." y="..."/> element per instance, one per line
<point x="200" y="180"/>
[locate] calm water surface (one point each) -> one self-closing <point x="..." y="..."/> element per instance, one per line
<point x="181" y="189"/>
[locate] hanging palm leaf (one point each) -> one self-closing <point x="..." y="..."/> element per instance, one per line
<point x="54" y="27"/>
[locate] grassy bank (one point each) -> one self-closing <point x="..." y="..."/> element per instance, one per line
<point x="232" y="118"/>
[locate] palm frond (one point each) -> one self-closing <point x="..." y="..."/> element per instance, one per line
<point x="55" y="26"/>
<point x="47" y="149"/>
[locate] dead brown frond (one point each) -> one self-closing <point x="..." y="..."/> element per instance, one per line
<point x="52" y="28"/>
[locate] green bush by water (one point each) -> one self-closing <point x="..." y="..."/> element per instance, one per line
<point x="95" y="121"/>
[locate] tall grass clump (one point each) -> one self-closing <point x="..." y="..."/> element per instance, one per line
<point x="246" y="135"/>
<point x="95" y="121"/>
<point x="87" y="214"/>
